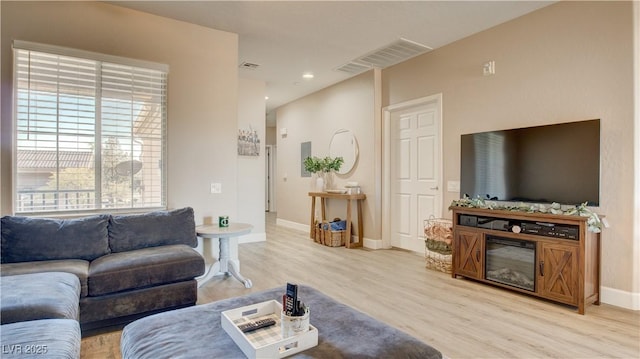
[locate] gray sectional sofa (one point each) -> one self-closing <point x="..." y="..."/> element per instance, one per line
<point x="128" y="265"/>
<point x="39" y="313"/>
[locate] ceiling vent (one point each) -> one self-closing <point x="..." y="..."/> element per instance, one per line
<point x="249" y="65"/>
<point x="353" y="68"/>
<point x="394" y="53"/>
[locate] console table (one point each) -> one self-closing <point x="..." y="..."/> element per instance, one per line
<point x="348" y="197"/>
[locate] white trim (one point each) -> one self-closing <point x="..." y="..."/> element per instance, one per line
<point x="252" y="238"/>
<point x="372" y="243"/>
<point x="292" y="225"/>
<point x="620" y="298"/>
<point x="367" y="242"/>
<point x="66" y="51"/>
<point x="386" y="175"/>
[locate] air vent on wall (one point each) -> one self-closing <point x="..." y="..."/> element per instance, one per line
<point x="248" y="65"/>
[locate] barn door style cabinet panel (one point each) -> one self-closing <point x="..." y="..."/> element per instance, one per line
<point x="550" y="256"/>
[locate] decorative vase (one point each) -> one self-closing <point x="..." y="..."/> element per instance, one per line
<point x="328" y="180"/>
<point x="319" y="183"/>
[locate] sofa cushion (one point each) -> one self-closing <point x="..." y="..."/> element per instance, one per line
<point x="95" y="312"/>
<point x="47" y="338"/>
<point x="152" y="229"/>
<point x="49" y="295"/>
<point x="78" y="267"/>
<point x="27" y="239"/>
<point x="142" y="268"/>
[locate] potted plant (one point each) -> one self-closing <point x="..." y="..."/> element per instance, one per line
<point x="315" y="165"/>
<point x="329" y="166"/>
<point x="323" y="168"/>
<point x="332" y="164"/>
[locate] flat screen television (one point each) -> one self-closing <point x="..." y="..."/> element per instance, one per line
<point x="543" y="164"/>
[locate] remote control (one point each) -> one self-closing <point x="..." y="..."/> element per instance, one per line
<point x="291" y="298"/>
<point x="256" y="324"/>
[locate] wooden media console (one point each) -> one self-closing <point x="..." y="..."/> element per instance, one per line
<point x="549" y="256"/>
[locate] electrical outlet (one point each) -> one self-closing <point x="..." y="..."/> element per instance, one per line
<point x="216" y="187"/>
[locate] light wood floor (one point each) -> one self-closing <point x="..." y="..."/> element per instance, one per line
<point x="461" y="318"/>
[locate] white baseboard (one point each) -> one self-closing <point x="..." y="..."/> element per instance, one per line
<point x="368" y="243"/>
<point x="372" y="243"/>
<point x="292" y="225"/>
<point x="620" y="298"/>
<point x="253" y="237"/>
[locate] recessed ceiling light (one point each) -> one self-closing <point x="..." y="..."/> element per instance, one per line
<point x="266" y="97"/>
<point x="307" y="75"/>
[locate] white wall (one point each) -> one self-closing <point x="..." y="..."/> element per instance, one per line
<point x="202" y="89"/>
<point x="347" y="105"/>
<point x="251" y="170"/>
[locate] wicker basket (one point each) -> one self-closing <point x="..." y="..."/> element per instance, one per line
<point x="317" y="235"/>
<point x="437" y="261"/>
<point x="328" y="237"/>
<point x="438" y="229"/>
<point x="439" y="234"/>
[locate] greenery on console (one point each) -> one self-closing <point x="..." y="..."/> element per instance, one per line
<point x="332" y="164"/>
<point x="593" y="223"/>
<point x="315" y="164"/>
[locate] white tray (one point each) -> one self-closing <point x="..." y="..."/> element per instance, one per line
<point x="266" y="342"/>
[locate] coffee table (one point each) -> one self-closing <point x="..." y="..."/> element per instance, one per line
<point x="222" y="264"/>
<point x="196" y="332"/>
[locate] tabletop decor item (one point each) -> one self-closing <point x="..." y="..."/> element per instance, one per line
<point x="323" y="169"/>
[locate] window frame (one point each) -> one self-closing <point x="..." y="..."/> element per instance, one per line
<point x="99" y="59"/>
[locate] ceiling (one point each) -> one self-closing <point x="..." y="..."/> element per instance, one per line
<point x="289" y="38"/>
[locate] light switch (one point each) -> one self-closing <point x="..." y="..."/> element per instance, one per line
<point x="489" y="68"/>
<point x="453" y="186"/>
<point x="216" y="187"/>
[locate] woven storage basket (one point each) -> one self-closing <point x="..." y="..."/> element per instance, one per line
<point x="438" y="229"/>
<point x="330" y="238"/>
<point x="437" y="261"/>
<point x="317" y="235"/>
<point x="439" y="234"/>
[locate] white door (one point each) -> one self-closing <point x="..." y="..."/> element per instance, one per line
<point x="414" y="172"/>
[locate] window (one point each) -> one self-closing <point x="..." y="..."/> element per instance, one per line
<point x="89" y="131"/>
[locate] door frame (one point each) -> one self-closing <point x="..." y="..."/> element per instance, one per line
<point x="387" y="113"/>
<point x="270" y="176"/>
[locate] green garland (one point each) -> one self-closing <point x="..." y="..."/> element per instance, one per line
<point x="594" y="224"/>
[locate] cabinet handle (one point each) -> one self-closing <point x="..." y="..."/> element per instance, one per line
<point x="542" y="268"/>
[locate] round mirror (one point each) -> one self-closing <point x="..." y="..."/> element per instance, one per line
<point x="344" y="144"/>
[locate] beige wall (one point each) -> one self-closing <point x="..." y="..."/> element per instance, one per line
<point x="251" y="170"/>
<point x="347" y="105"/>
<point x="272" y="139"/>
<point x="202" y="92"/>
<point x="567" y="62"/>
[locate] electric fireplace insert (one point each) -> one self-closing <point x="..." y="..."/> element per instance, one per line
<point x="511" y="262"/>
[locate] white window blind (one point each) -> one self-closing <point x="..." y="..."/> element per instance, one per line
<point x="90" y="134"/>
